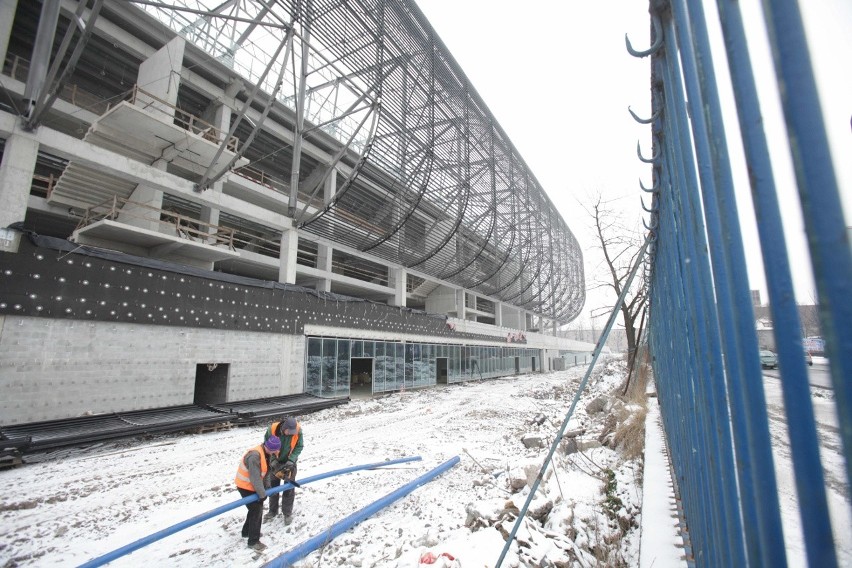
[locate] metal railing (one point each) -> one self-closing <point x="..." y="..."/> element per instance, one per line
<point x="18" y="67"/>
<point x="122" y="210"/>
<point x="702" y="327"/>
<point x="185" y="120"/>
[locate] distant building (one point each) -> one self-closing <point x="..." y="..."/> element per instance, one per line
<point x="808" y="319"/>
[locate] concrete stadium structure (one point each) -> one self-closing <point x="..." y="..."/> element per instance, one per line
<point x="203" y="204"/>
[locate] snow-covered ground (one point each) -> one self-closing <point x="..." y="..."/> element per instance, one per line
<point x="831" y="455"/>
<point x="69" y="506"/>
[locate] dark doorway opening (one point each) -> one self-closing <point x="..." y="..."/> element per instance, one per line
<point x="361" y="382"/>
<point x="533" y="364"/>
<point x="441" y="370"/>
<point x="517" y="365"/>
<point x="211" y="383"/>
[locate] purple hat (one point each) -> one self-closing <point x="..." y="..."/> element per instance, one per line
<point x="272" y="444"/>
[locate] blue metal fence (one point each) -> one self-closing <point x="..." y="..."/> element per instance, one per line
<point x="702" y="327"/>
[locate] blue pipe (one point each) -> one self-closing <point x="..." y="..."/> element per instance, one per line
<point x="301" y="550"/>
<point x="145" y="541"/>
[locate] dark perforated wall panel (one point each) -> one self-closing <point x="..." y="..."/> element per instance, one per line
<point x="43" y="282"/>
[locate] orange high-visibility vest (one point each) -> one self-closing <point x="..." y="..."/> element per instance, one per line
<point x="243" y="480"/>
<point x="294" y="439"/>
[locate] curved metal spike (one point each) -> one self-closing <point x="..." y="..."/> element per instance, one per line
<point x="658" y="41"/>
<point x="650" y="160"/>
<point x="654" y="117"/>
<point x="654" y="189"/>
<point x="653" y="226"/>
<point x="654" y="206"/>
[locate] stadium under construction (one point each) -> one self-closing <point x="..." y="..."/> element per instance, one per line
<point x="206" y="203"/>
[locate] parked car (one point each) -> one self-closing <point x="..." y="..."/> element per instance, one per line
<point x="808" y="359"/>
<point x="768" y="360"/>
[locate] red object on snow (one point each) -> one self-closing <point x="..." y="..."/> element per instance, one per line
<point x="430" y="558"/>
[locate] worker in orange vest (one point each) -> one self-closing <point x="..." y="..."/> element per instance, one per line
<point x="289" y="432"/>
<point x="252" y="479"/>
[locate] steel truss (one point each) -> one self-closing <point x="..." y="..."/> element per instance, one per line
<point x="428" y="179"/>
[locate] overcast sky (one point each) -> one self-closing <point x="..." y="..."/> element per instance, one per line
<point x="558" y="79"/>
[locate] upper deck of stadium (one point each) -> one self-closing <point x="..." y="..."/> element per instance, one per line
<point x="335" y="145"/>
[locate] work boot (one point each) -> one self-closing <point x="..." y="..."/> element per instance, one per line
<point x="288" y="519"/>
<point x="269" y="516"/>
<point x="258" y="546"/>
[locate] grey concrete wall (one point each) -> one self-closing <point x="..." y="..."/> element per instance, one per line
<point x="442" y="300"/>
<point x="52" y="369"/>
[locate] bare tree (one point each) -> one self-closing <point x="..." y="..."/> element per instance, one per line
<point x="809" y="315"/>
<point x="620" y="245"/>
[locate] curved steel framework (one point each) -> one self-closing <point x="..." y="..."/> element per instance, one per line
<point x="428" y="179"/>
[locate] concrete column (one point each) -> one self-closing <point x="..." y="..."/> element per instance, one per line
<point x="210" y="215"/>
<point x="220" y="119"/>
<point x="159" y="76"/>
<point x="330" y="187"/>
<point x="324" y="256"/>
<point x="144" y="211"/>
<point x="287" y="256"/>
<point x="498" y="314"/>
<point x="460" y="309"/>
<point x="398" y="280"/>
<point x="16" y="176"/>
<point x="7" y="16"/>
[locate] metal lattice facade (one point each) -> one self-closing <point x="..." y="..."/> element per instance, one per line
<point x="431" y="183"/>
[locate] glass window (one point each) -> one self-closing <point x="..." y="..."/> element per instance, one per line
<point x="357" y="348"/>
<point x="343" y="375"/>
<point x="400" y="366"/>
<point x="390" y="367"/>
<point x="409" y="365"/>
<point x="329" y="363"/>
<point x="379" y="373"/>
<point x="313" y="369"/>
<point x="368" y="349"/>
<point x="415" y="365"/>
<point x="475" y="369"/>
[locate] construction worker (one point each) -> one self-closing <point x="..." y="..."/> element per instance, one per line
<point x="289" y="433"/>
<point x="251" y="479"/>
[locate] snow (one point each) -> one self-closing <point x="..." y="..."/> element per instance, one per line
<point x="661" y="543"/>
<point x="66" y="507"/>
<point x="834" y="471"/>
<point x="69" y="506"/>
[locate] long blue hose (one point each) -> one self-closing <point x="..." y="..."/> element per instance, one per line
<point x="145" y="541"/>
<point x="301" y="550"/>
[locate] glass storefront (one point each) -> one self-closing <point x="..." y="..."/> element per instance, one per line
<point x="394" y="365"/>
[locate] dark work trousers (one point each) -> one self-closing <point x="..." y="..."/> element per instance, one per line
<point x="287" y="497"/>
<point x="254" y="517"/>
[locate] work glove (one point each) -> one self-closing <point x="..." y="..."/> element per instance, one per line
<point x="285" y="471"/>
